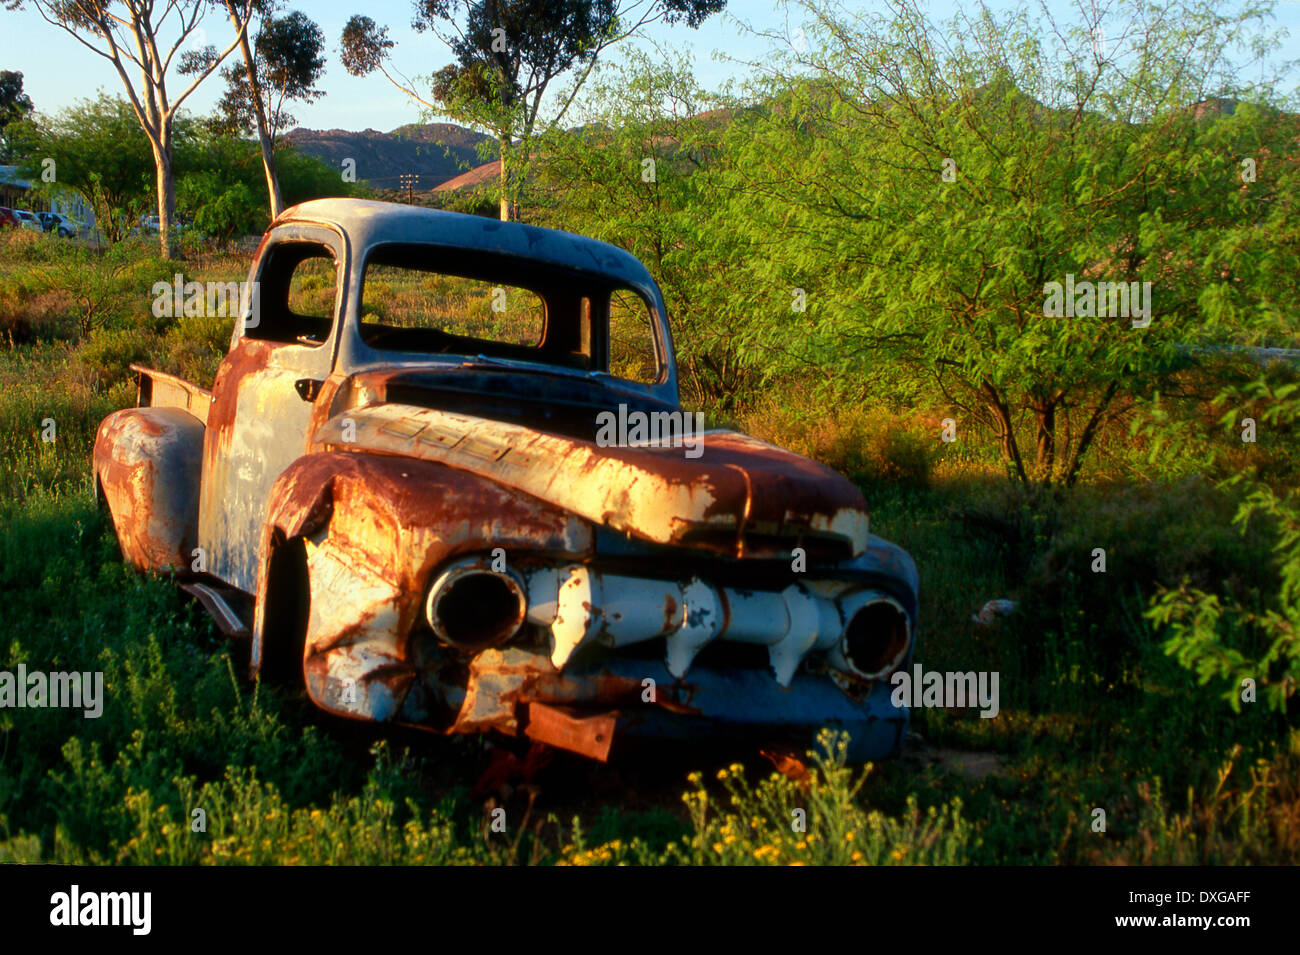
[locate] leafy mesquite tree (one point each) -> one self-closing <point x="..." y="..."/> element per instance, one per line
<point x="640" y="170"/>
<point x="508" y="54"/>
<point x="134" y="34"/>
<point x="1249" y="646"/>
<point x="1000" y="210"/>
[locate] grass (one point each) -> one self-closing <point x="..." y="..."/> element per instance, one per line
<point x="190" y="763"/>
<point x="400" y="297"/>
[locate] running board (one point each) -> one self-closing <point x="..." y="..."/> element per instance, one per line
<point x="221" y="603"/>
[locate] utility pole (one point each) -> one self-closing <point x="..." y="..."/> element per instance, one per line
<point x="409" y="179"/>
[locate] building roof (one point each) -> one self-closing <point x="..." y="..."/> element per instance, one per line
<point x="9" y="177"/>
<point x="473" y="178"/>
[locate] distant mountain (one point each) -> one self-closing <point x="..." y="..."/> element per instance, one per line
<point x="437" y="152"/>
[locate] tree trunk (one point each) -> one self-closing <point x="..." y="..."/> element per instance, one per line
<point x="263" y="128"/>
<point x="272" y="176"/>
<point x="1006" y="434"/>
<point x="162" y="157"/>
<point x="1045" y="458"/>
<point x="507" y="207"/>
<point x="1089" y="433"/>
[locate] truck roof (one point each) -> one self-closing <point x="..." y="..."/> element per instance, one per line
<point x="368" y="223"/>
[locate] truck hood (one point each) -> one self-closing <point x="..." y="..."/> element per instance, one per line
<point x="740" y="496"/>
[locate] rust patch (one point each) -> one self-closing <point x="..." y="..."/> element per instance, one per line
<point x="404" y="517"/>
<point x="249" y="355"/>
<point x="147" y="462"/>
<point x="499" y="680"/>
<point x="395" y="520"/>
<point x="589" y="736"/>
<point x="789" y="764"/>
<point x="670" y="613"/>
<point x="334" y="394"/>
<point x="742" y="496"/>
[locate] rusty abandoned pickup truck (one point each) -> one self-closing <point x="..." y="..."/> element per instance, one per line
<point x="407" y="488"/>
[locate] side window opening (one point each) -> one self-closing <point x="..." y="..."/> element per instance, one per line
<point x="632" y="352"/>
<point x="296" y="295"/>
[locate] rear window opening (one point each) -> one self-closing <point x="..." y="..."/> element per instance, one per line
<point x="431" y="300"/>
<point x="407" y="309"/>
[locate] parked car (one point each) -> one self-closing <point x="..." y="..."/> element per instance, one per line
<point x="28" y="220"/>
<point x="151" y="225"/>
<point x="7" y="218"/>
<point x="428" y="483"/>
<point x="60" y="224"/>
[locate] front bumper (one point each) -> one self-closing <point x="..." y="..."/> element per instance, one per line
<point x="597" y="656"/>
<point x="584" y="707"/>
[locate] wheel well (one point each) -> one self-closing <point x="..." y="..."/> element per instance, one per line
<point x="285" y="613"/>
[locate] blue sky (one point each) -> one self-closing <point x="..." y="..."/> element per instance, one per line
<point x="57" y="70"/>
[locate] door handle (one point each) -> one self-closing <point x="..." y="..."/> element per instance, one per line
<point x="308" y="388"/>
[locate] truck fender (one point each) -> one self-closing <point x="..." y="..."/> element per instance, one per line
<point x="366" y="532"/>
<point x="148" y="463"/>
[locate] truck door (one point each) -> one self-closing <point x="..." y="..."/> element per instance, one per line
<point x="262" y="398"/>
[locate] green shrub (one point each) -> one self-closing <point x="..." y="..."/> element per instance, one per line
<point x="194" y="347"/>
<point x="24" y="245"/>
<point x="1233" y="633"/>
<point x="106" y="356"/>
<point x="80" y="290"/>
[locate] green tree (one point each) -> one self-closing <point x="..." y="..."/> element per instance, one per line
<point x="281" y="65"/>
<point x="926" y="185"/>
<point x="98" y="152"/>
<point x="223" y="173"/>
<point x="640" y="170"/>
<point x="139" y="35"/>
<point x="508" y="53"/>
<point x="15" y="105"/>
<point x="218" y="188"/>
<point x="1253" y="274"/>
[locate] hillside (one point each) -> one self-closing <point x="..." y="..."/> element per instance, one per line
<point x="436" y="151"/>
